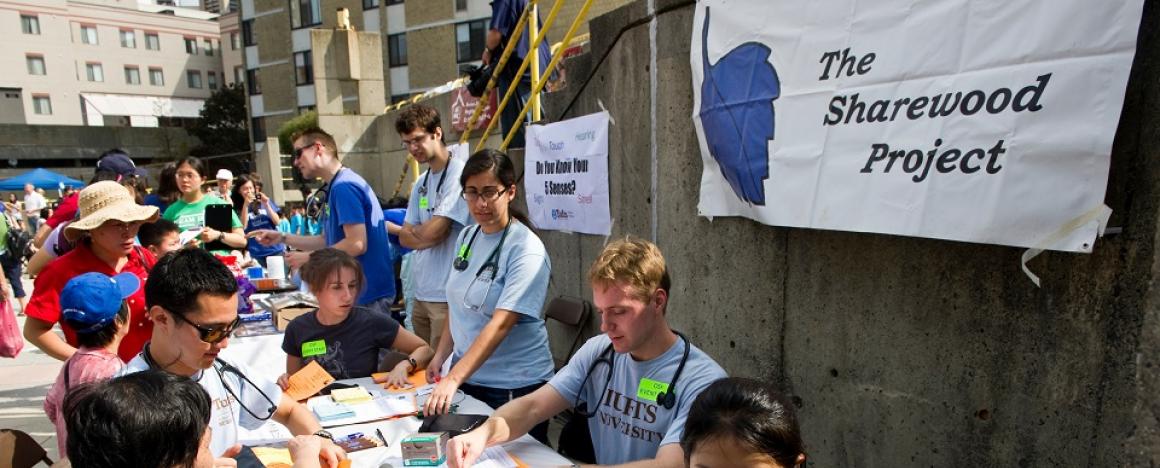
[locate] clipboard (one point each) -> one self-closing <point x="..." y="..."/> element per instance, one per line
<point x="219" y="217"/>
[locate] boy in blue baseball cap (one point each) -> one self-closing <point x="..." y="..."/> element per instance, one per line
<point x="93" y="305"/>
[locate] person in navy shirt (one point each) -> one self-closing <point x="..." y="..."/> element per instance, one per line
<point x="505" y="14"/>
<point x="351" y="219"/>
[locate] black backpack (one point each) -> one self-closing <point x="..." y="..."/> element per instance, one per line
<point x="18" y="244"/>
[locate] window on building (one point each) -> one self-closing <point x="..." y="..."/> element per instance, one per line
<point x="211" y="79"/>
<point x="132" y="75"/>
<point x="303" y="68"/>
<point x="30" y="24"/>
<point x="252" y="82"/>
<point x="239" y="74"/>
<point x="460" y="5"/>
<point x="235" y="41"/>
<point x="208" y="47"/>
<point x="304" y="109"/>
<point x="470" y="39"/>
<point x="128" y="39"/>
<point x="305" y="13"/>
<point x="258" y="126"/>
<point x="193" y="79"/>
<point x="249" y="38"/>
<point x="397" y="48"/>
<point x="394" y="2"/>
<point x="191" y="46"/>
<point x="41" y="104"/>
<point x="88" y="34"/>
<point x="152" y="41"/>
<point x="156" y="77"/>
<point x="94" y="72"/>
<point x="35" y="64"/>
<point x="369" y="4"/>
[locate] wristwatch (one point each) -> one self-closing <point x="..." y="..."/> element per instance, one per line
<point x="325" y="434"/>
<point x="221" y="235"/>
<point x="414" y="365"/>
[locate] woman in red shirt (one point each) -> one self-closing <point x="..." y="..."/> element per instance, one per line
<point x="107" y="231"/>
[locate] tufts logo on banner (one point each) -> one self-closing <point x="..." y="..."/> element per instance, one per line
<point x="983" y="124"/>
<point x="567" y="175"/>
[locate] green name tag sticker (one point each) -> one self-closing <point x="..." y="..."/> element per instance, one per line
<point x="313" y="348"/>
<point x="423" y="202"/>
<point x="649" y="389"/>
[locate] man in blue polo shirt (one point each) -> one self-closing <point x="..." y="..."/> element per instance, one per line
<point x="352" y="220"/>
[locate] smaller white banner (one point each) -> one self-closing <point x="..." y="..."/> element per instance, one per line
<point x="566" y="175"/>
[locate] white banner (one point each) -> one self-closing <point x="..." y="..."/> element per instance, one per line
<point x="975" y="120"/>
<point x="566" y="175"/>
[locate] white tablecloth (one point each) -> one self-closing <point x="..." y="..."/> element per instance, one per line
<point x="264" y="356"/>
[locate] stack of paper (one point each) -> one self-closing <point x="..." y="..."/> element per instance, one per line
<point x="350" y="395"/>
<point x="332" y="411"/>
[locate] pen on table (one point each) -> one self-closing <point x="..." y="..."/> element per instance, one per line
<point x="380" y="433"/>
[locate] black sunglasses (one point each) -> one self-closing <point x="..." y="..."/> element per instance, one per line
<point x="298" y="151"/>
<point x="211" y="335"/>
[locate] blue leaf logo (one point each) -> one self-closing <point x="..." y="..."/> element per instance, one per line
<point x="736" y="114"/>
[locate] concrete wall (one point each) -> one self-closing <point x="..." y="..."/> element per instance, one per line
<point x="899" y="351"/>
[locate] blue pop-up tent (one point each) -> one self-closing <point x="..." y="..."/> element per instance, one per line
<point x="39" y="178"/>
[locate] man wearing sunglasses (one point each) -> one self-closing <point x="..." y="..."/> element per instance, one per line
<point x="193" y="302"/>
<point x="352" y="219"/>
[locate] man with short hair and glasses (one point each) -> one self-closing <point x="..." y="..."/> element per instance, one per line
<point x="193" y="304"/>
<point x="352" y="219"/>
<point x="435" y="215"/>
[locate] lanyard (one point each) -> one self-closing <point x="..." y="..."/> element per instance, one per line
<point x="423" y="189"/>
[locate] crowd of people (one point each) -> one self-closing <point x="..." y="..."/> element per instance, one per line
<point x="146" y="316"/>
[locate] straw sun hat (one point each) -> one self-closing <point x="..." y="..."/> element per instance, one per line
<point x="104" y="201"/>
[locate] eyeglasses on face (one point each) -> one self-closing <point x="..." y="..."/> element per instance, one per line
<point x="487" y="194"/>
<point x="297" y="152"/>
<point x="211" y="335"/>
<point x="121" y="226"/>
<point x="416" y="141"/>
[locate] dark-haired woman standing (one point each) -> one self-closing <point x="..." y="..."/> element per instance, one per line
<point x="495" y="294"/>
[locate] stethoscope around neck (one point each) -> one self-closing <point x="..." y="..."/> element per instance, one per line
<point x="221" y="367"/>
<point x="463" y="259"/>
<point x="667" y="398"/>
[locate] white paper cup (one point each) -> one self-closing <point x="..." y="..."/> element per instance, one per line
<point x="276" y="267"/>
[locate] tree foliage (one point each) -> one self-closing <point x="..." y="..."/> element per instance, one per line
<point x="221" y="127"/>
<point x="302" y="122"/>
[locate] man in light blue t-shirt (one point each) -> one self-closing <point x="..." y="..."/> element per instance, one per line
<point x="635" y="382"/>
<point x="436" y="213"/>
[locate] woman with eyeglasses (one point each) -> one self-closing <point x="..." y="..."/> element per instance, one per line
<point x="104" y="237"/>
<point x="498" y="343"/>
<point x="188" y="212"/>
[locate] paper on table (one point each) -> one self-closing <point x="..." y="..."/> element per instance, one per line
<point x="308" y="381"/>
<point x="188" y="235"/>
<point x="270" y="456"/>
<point x="350" y="395"/>
<point x="383" y="406"/>
<point x="418" y="379"/>
<point x="496" y="457"/>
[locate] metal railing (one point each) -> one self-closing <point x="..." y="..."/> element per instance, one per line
<point x="539" y="80"/>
